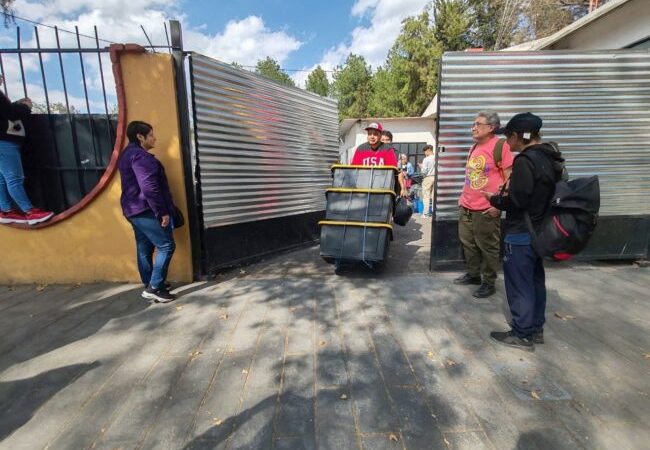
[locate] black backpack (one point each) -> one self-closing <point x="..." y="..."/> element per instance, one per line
<point x="570" y="219"/>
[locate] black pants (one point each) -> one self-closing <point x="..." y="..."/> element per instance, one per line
<point x="524" y="277"/>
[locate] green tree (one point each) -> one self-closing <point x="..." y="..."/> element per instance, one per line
<point x="408" y="81"/>
<point x="451" y="27"/>
<point x="317" y="82"/>
<point x="236" y="65"/>
<point x="270" y="68"/>
<point x="352" y="87"/>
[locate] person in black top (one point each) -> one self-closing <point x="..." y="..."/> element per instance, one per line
<point x="12" y="189"/>
<point x="531" y="185"/>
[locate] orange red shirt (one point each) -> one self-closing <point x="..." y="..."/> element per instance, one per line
<point x="482" y="174"/>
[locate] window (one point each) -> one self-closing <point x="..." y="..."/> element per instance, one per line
<point x="413" y="150"/>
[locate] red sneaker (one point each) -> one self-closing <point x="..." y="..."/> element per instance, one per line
<point x="12" y="216"/>
<point x="37" y="216"/>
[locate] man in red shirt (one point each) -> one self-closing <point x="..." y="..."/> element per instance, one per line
<point x="479" y="225"/>
<point x="376" y="153"/>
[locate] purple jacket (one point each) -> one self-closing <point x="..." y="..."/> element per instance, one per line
<point x="144" y="183"/>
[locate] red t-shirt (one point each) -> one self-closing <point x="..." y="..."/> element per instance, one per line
<point x="382" y="156"/>
<point x="481" y="174"/>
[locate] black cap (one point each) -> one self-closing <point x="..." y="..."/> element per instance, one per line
<point x="522" y="123"/>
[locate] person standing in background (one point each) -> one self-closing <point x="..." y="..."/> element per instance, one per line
<point x="12" y="189"/>
<point x="428" y="170"/>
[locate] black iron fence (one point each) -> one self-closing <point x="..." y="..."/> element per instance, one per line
<point x="71" y="133"/>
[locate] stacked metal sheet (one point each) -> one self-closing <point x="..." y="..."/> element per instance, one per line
<point x="357" y="225"/>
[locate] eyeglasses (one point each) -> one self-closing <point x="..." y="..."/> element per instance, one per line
<point x="478" y="124"/>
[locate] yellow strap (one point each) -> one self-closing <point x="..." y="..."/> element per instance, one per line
<point x="361" y="191"/>
<point x="351" y="166"/>
<point x="356" y="224"/>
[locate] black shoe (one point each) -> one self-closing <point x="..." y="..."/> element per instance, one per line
<point x="485" y="290"/>
<point x="467" y="279"/>
<point x="166" y="285"/>
<point x="512" y="340"/>
<point x="538" y="336"/>
<point x="160" y="295"/>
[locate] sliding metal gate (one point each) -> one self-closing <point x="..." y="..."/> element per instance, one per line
<point x="596" y="105"/>
<point x="263" y="154"/>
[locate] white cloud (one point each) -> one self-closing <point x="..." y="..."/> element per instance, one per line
<point x="372" y="41"/>
<point x="244" y="41"/>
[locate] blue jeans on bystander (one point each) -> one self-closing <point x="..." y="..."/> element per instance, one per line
<point x="523" y="273"/>
<point x="11" y="178"/>
<point x="150" y="235"/>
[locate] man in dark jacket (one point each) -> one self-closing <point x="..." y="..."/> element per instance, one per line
<point x="534" y="173"/>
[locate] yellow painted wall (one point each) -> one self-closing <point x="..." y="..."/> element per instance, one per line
<point x="97" y="243"/>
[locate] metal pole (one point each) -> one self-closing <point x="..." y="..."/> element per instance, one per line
<point x="51" y="122"/>
<point x="111" y="132"/>
<point x="192" y="179"/>
<point x="73" y="128"/>
<point x="90" y="118"/>
<point x="20" y="60"/>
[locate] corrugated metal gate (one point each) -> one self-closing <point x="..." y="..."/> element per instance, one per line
<point x="596" y="105"/>
<point x="263" y="156"/>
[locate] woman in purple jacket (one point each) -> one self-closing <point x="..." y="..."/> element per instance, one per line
<point x="147" y="204"/>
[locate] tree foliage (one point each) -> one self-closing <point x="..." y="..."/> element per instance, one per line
<point x="269" y="68"/>
<point x="317" y="82"/>
<point x="351" y="86"/>
<point x="407" y="81"/>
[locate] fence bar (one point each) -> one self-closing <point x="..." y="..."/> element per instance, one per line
<point x="2" y="70"/>
<point x="50" y="121"/>
<point x="111" y="132"/>
<point x="20" y="60"/>
<point x="73" y="128"/>
<point x="90" y="119"/>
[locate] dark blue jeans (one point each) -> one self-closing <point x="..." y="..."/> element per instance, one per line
<point x="523" y="272"/>
<point x="149" y="235"/>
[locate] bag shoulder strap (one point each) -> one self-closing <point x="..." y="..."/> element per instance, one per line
<point x="497" y="152"/>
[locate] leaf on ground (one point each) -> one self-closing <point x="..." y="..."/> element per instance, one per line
<point x="343" y="397"/>
<point x="195" y="354"/>
<point x="430" y="354"/>
<point x="563" y="317"/>
<point x="393" y="437"/>
<point x="244" y="371"/>
<point x="322" y="343"/>
<point x="446" y="442"/>
<point x="223" y="316"/>
<point x="75" y="286"/>
<point x="647" y="356"/>
<point x="535" y="395"/>
<point x="217" y="421"/>
<point x="179" y="307"/>
<point x="451" y="363"/>
<point x="11" y="288"/>
<point x="242" y="272"/>
<point x="41" y="287"/>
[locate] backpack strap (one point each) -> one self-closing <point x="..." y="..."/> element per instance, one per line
<point x="497" y="156"/>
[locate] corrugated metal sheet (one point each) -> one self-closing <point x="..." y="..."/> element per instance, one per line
<point x="596" y="105"/>
<point x="263" y="149"/>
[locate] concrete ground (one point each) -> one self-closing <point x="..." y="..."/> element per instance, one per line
<point x="287" y="355"/>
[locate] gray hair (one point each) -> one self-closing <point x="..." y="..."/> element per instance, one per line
<point x="403" y="155"/>
<point x="491" y="117"/>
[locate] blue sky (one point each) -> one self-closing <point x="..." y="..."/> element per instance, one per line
<point x="299" y="34"/>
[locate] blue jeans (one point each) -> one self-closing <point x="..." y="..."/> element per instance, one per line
<point x="11" y="178"/>
<point x="150" y="235"/>
<point x="523" y="273"/>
